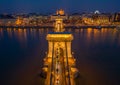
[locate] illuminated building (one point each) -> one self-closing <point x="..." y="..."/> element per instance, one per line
<point x="18" y="21"/>
<point x="116" y="17"/>
<point x="97" y="12"/>
<point x="97" y="18"/>
<point x="7" y="20"/>
<point x="59" y="14"/>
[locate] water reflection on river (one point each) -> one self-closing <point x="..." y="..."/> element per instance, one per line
<point x="96" y="52"/>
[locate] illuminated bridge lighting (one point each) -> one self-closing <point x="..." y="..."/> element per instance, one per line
<point x="59" y="64"/>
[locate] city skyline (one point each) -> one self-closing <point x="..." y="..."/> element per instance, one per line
<point x="47" y="6"/>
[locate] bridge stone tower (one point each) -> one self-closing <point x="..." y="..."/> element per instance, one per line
<point x="59" y="62"/>
<point x="59" y="26"/>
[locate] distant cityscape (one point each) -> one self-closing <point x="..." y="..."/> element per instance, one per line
<point x="76" y="19"/>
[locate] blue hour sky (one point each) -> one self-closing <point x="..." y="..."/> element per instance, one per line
<point x="49" y="6"/>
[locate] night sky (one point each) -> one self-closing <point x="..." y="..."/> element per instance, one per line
<point x="49" y="6"/>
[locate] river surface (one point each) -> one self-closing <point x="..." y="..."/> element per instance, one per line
<point x="97" y="53"/>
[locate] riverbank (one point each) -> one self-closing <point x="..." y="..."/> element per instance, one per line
<point x="38" y="27"/>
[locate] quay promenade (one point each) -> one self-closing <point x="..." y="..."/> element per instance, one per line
<point x="66" y="26"/>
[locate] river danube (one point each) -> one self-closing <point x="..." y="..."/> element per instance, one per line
<point x="97" y="54"/>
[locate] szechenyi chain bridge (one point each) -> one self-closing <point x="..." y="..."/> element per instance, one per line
<point x="59" y="63"/>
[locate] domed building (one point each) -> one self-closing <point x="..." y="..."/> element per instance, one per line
<point x="97" y="12"/>
<point x="59" y="14"/>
